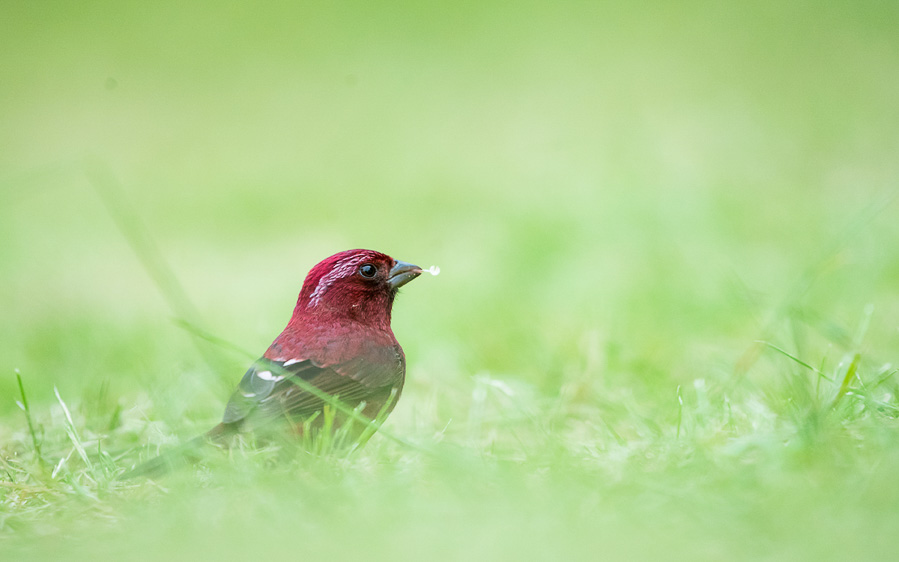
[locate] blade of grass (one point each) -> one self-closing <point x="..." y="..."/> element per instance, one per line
<point x="378" y="421"/>
<point x="856" y="359"/>
<point x="24" y="406"/>
<point x="72" y="432"/>
<point x="850" y="374"/>
<point x="325" y="442"/>
<point x="308" y="430"/>
<point x="889" y="374"/>
<point x="142" y="243"/>
<point x="863" y="327"/>
<point x="811" y="274"/>
<point x="62" y="462"/>
<point x="345" y="431"/>
<point x="796" y="359"/>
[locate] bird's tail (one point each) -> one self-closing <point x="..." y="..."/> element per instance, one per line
<point x="189" y="453"/>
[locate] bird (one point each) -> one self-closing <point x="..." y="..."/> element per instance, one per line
<point x="338" y="344"/>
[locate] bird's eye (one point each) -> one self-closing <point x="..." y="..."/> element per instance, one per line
<point x="367" y="270"/>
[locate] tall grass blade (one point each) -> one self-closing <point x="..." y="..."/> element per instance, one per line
<point x="142" y="243"/>
<point x="850" y="374"/>
<point x="72" y="432"/>
<point x="809" y="277"/>
<point x="379" y="420"/>
<point x="24" y="405"/>
<point x="796" y="359"/>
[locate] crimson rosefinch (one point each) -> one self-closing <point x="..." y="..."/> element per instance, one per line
<point x="338" y="340"/>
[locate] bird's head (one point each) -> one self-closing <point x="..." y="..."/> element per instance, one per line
<point x="355" y="284"/>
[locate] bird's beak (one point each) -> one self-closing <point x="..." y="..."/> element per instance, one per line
<point x="401" y="273"/>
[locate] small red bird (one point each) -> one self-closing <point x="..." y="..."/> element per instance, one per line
<point x="338" y="340"/>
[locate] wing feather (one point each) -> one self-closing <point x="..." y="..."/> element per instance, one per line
<point x="269" y="389"/>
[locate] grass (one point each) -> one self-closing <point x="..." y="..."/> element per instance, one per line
<point x="665" y="326"/>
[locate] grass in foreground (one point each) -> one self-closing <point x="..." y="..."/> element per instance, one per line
<point x="801" y="465"/>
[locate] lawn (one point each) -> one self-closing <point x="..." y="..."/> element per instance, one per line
<point x="666" y="323"/>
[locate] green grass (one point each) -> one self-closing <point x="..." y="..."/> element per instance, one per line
<point x="665" y="326"/>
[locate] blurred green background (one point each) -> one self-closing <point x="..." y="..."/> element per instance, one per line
<point x="622" y="198"/>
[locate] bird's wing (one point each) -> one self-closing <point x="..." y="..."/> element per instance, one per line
<point x="262" y="380"/>
<point x="270" y="390"/>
